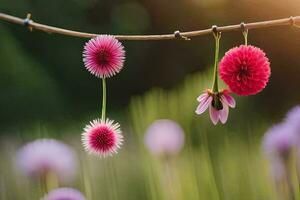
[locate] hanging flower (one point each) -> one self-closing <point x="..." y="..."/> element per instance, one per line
<point x="245" y="69"/>
<point x="104" y="56"/>
<point x="64" y="194"/>
<point x="218" y="104"/>
<point x="102" y="137"/>
<point x="164" y="138"/>
<point x="43" y="156"/>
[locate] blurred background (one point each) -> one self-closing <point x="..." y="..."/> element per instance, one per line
<point x="47" y="92"/>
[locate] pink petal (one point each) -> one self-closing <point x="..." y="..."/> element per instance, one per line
<point x="202" y="97"/>
<point x="224" y="113"/>
<point x="229" y="100"/>
<point x="204" y="105"/>
<point x="214" y="115"/>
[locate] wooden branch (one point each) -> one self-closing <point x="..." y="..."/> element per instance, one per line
<point x="291" y="21"/>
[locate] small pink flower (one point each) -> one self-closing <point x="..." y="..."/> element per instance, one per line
<point x="102" y="137"/>
<point x="104" y="56"/>
<point x="245" y="69"/>
<point x="218" y="104"/>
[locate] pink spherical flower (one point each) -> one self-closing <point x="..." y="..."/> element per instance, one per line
<point x="64" y="194"/>
<point x="104" y="56"/>
<point x="102" y="137"/>
<point x="218" y="104"/>
<point x="245" y="69"/>
<point x="43" y="156"/>
<point x="164" y="138"/>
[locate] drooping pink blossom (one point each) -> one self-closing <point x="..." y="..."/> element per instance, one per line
<point x="245" y="69"/>
<point x="218" y="104"/>
<point x="104" y="56"/>
<point x="102" y="137"/>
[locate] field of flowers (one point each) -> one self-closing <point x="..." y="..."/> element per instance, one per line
<point x="193" y="160"/>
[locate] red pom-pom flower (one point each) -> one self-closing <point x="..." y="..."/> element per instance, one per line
<point x="245" y="69"/>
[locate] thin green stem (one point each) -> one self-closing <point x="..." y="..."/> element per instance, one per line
<point x="245" y="34"/>
<point x="103" y="99"/>
<point x="43" y="184"/>
<point x="215" y="87"/>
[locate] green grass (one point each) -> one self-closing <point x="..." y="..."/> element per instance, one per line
<point x="217" y="163"/>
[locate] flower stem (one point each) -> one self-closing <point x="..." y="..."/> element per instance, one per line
<point x="103" y="99"/>
<point x="245" y="34"/>
<point x="43" y="185"/>
<point x="215" y="87"/>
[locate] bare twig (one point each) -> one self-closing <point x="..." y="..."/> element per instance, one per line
<point x="291" y="21"/>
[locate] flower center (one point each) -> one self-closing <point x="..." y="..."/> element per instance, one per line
<point x="243" y="72"/>
<point x="216" y="103"/>
<point x="103" y="57"/>
<point x="102" y="138"/>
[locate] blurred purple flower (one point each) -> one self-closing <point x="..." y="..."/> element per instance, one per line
<point x="43" y="156"/>
<point x="279" y="140"/>
<point x="278" y="143"/>
<point x="64" y="194"/>
<point x="293" y="118"/>
<point x="164" y="138"/>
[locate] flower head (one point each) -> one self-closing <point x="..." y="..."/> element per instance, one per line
<point x="43" y="156"/>
<point x="245" y="69"/>
<point x="277" y="145"/>
<point x="164" y="137"/>
<point x="293" y="118"/>
<point x="103" y="56"/>
<point x="218" y="104"/>
<point x="279" y="140"/>
<point x="102" y="137"/>
<point x="64" y="194"/>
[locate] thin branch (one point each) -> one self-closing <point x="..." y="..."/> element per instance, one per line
<point x="292" y="21"/>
